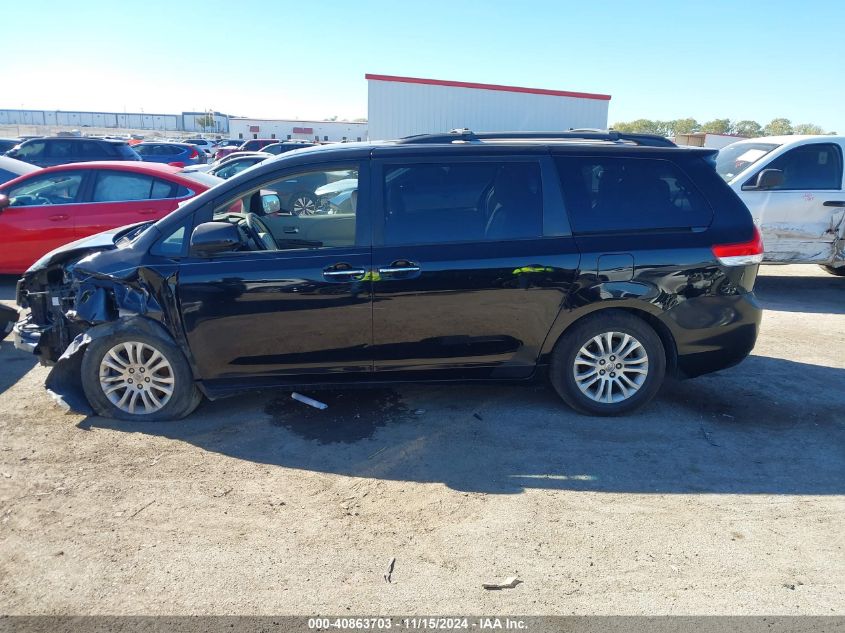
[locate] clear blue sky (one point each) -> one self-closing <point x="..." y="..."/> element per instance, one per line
<point x="744" y="59"/>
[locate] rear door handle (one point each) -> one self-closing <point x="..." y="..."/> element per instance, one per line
<point x="401" y="267"/>
<point x="834" y="203"/>
<point x="58" y="217"/>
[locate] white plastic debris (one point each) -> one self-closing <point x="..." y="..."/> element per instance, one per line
<point x="508" y="583"/>
<point x="309" y="401"/>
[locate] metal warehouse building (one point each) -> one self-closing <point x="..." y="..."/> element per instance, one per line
<point x="400" y="106"/>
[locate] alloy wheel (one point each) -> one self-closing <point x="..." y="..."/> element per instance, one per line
<point x="136" y="378"/>
<point x="303" y="205"/>
<point x="611" y="367"/>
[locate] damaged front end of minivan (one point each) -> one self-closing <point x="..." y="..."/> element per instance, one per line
<point x="81" y="292"/>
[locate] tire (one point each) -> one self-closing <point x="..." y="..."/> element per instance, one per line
<point x="175" y="375"/>
<point x="578" y="343"/>
<point x="303" y="203"/>
<point x="839" y="271"/>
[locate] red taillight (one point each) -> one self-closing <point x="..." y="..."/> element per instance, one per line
<point x="193" y="153"/>
<point x="742" y="253"/>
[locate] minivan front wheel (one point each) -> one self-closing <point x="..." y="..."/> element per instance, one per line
<point x="130" y="375"/>
<point x="608" y="364"/>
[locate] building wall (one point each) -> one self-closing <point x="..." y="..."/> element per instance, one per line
<point x="398" y="108"/>
<point x="305" y="130"/>
<point x="118" y="120"/>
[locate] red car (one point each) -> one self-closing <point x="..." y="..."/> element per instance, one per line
<point x="53" y="206"/>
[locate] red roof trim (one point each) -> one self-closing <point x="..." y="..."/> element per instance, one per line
<point x="464" y="84"/>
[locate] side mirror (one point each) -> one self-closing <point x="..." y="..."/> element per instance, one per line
<point x="209" y="238"/>
<point x="768" y="179"/>
<point x="271" y="203"/>
<point x="4" y="201"/>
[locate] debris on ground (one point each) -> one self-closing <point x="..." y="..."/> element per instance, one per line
<point x="389" y="573"/>
<point x="143" y="507"/>
<point x="508" y="583"/>
<point x="708" y="436"/>
<point x="381" y="450"/>
<point x="419" y="412"/>
<point x="477" y="416"/>
<point x="309" y="401"/>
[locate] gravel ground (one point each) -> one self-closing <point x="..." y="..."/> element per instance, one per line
<point x="724" y="496"/>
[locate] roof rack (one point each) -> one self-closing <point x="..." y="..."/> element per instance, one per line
<point x="466" y="135"/>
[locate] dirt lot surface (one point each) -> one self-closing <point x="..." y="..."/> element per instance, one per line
<point x="726" y="495"/>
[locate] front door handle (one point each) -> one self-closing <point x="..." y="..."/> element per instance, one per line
<point x="834" y="203"/>
<point x="344" y="272"/>
<point x="58" y="217"/>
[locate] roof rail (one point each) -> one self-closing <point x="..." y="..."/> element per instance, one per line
<point x="466" y="135"/>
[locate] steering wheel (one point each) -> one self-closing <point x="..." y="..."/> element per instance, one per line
<point x="259" y="232"/>
<point x="42" y="201"/>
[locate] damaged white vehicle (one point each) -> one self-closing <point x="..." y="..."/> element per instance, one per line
<point x="793" y="187"/>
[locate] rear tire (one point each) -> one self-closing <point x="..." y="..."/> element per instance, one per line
<point x="147" y="378"/>
<point x="610" y="363"/>
<point x="839" y="271"/>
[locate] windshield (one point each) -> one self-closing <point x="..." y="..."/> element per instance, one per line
<point x="737" y="157"/>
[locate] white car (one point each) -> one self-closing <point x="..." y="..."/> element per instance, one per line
<point x="11" y="168"/>
<point x="793" y="186"/>
<point x="203" y="143"/>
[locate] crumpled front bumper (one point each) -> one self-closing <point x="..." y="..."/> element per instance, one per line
<point x="28" y="336"/>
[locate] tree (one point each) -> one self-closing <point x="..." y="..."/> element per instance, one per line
<point x="748" y="128"/>
<point x="717" y="126"/>
<point x="205" y="121"/>
<point x="683" y="126"/>
<point x="778" y="127"/>
<point x="807" y="128"/>
<point x="643" y="126"/>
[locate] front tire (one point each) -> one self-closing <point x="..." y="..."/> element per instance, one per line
<point x="610" y="363"/>
<point x="839" y="271"/>
<point x="134" y="376"/>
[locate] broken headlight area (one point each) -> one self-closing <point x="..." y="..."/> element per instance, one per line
<point x="63" y="302"/>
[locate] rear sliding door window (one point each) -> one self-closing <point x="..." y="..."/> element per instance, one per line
<point x="608" y="194"/>
<point x="462" y="202"/>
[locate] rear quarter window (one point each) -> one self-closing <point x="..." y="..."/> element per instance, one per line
<point x="626" y="194"/>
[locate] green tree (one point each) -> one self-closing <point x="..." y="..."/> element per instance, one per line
<point x="643" y="126"/>
<point x="807" y="128"/>
<point x="205" y="121"/>
<point x="778" y="127"/>
<point x="748" y="128"/>
<point x="717" y="126"/>
<point x="683" y="126"/>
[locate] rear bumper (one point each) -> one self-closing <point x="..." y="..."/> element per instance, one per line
<point x="713" y="333"/>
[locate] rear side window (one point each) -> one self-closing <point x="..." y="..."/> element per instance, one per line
<point x="815" y="166"/>
<point x="61" y="149"/>
<point x="607" y="194"/>
<point x="31" y="150"/>
<point x="124" y="186"/>
<point x="462" y="202"/>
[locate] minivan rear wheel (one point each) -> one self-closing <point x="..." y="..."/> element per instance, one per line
<point x="608" y="364"/>
<point x="130" y="375"/>
<point x="839" y="271"/>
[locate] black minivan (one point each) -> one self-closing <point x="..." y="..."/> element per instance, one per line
<point x="601" y="260"/>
